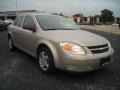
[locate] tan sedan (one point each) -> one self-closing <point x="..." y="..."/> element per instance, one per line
<point x="59" y="43"/>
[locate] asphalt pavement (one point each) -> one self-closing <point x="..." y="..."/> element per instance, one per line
<point x="19" y="71"/>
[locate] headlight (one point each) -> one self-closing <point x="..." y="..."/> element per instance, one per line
<point x="72" y="48"/>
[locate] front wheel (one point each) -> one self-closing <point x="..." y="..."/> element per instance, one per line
<point x="46" y="61"/>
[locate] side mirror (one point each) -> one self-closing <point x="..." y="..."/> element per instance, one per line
<point x="34" y="29"/>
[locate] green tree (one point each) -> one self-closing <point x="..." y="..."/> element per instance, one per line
<point x="106" y="16"/>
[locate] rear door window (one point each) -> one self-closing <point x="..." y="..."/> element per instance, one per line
<point x="18" y="21"/>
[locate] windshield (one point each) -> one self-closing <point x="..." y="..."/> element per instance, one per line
<point x="54" y="22"/>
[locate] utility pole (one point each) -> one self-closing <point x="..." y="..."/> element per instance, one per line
<point x="16" y="8"/>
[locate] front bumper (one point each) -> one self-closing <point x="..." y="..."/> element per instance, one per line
<point x="86" y="62"/>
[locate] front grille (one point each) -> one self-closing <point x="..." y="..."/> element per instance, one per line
<point x="99" y="49"/>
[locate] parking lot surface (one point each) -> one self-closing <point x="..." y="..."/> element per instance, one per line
<point x="19" y="71"/>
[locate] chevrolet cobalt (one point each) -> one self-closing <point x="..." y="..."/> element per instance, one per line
<point x="58" y="42"/>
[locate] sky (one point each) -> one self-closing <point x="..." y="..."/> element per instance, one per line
<point x="67" y="7"/>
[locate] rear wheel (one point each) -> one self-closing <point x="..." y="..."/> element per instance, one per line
<point x="10" y="44"/>
<point x="46" y="61"/>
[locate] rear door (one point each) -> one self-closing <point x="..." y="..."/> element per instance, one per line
<point x="17" y="30"/>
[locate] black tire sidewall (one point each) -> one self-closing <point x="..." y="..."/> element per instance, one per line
<point x="11" y="43"/>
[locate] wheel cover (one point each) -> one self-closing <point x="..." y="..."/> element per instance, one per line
<point x="43" y="60"/>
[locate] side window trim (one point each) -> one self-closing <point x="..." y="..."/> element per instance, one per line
<point x="15" y="22"/>
<point x="23" y="21"/>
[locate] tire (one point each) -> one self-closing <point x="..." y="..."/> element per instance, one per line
<point x="10" y="44"/>
<point x="46" y="61"/>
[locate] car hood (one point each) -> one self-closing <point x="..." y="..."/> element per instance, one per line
<point x="81" y="37"/>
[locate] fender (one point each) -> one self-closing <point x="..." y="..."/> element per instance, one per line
<point x="52" y="48"/>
